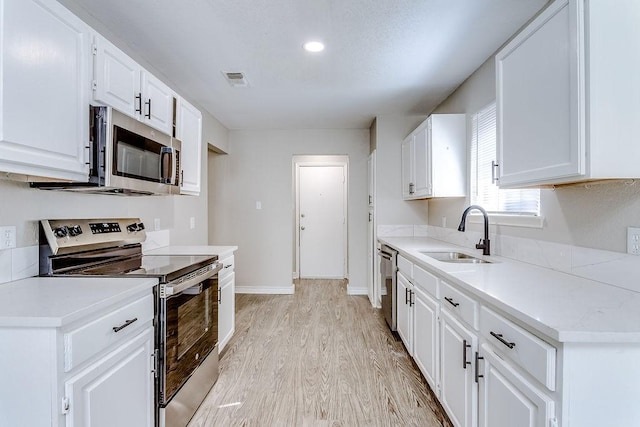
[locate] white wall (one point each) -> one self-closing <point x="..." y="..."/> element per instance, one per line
<point x="594" y="216"/>
<point x="390" y="131"/>
<point x="259" y="168"/>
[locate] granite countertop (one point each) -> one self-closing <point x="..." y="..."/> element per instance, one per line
<point x="58" y="301"/>
<point x="192" y="250"/>
<point x="564" y="307"/>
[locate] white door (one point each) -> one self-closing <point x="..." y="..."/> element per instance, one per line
<point x="508" y="399"/>
<point x="459" y="392"/>
<point x="425" y="338"/>
<point x="374" y="294"/>
<point x="117" y="390"/>
<point x="404" y="312"/>
<point x="322" y="221"/>
<point x="157" y="109"/>
<point x="189" y="132"/>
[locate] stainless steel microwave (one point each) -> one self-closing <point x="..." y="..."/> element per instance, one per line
<point x="126" y="157"/>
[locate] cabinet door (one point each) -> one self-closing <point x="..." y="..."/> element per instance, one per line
<point x="116" y="390"/>
<point x="540" y="109"/>
<point x="425" y="337"/>
<point x="116" y="79"/>
<point x="189" y="132"/>
<point x="507" y="399"/>
<point x="158" y="106"/>
<point x="226" y="311"/>
<point x="408" y="185"/>
<point x="458" y="390"/>
<point x="422" y="161"/>
<point x="44" y="90"/>
<point x="404" y="312"/>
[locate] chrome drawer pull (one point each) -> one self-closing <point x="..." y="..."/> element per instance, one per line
<point x="502" y="340"/>
<point x="450" y="301"/>
<point x="124" y="325"/>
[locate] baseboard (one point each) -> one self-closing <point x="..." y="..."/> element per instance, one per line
<point x="284" y="290"/>
<point x="356" y="291"/>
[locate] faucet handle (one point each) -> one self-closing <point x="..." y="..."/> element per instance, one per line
<point x="480" y="244"/>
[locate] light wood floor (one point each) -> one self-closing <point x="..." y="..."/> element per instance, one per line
<point x="316" y="358"/>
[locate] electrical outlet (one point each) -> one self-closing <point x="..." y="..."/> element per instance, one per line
<point x="156" y="224"/>
<point x="633" y="240"/>
<point x="8" y="237"/>
<point x="192" y="222"/>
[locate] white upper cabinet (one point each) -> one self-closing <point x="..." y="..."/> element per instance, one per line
<point x="189" y="132"/>
<point x="123" y="84"/>
<point x="44" y="78"/>
<point x="434" y="158"/>
<point x="568" y="94"/>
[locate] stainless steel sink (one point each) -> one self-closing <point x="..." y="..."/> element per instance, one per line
<point x="456" y="257"/>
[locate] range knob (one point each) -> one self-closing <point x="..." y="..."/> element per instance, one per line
<point x="135" y="227"/>
<point x="75" y="230"/>
<point x="61" y="232"/>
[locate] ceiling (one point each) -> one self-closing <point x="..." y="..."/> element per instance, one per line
<point x="381" y="56"/>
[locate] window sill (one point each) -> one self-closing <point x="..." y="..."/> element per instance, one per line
<point x="527" y="221"/>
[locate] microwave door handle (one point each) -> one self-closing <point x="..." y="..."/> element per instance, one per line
<point x="168" y="165"/>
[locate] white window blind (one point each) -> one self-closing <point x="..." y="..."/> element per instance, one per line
<point x="483" y="191"/>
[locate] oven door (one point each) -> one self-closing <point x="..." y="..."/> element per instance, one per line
<point x="188" y="333"/>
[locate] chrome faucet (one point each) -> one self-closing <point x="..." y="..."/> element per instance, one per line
<point x="484" y="244"/>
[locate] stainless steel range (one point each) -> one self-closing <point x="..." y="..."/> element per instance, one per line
<point x="186" y="319"/>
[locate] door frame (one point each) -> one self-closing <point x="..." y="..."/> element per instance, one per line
<point x="319" y="161"/>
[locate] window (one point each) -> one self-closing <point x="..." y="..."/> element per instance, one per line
<point x="483" y="191"/>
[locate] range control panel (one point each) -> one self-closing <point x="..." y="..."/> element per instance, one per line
<point x="104" y="227"/>
<point x="79" y="234"/>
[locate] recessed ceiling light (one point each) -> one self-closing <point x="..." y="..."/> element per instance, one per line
<point x="313" y="46"/>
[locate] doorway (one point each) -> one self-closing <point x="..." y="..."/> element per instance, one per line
<point x="321" y="184"/>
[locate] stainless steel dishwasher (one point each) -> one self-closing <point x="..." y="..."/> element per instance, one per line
<point x="388" y="270"/>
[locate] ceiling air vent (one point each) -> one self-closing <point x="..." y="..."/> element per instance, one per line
<point x="236" y="79"/>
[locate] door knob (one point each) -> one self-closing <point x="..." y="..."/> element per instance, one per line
<point x="301" y="228"/>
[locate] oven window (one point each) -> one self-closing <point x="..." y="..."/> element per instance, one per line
<point x="189" y="332"/>
<point x="193" y="322"/>
<point x="136" y="156"/>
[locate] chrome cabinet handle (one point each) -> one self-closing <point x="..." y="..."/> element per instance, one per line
<point x="478" y="358"/>
<point x="227" y="266"/>
<point x="302" y="228"/>
<point x="219" y="296"/>
<point x="502" y="340"/>
<point x="465" y="346"/>
<point x="411" y="298"/>
<point x="124" y="325"/>
<point x="450" y="301"/>
<point x="182" y="178"/>
<point x="411" y="186"/>
<point x="494" y="167"/>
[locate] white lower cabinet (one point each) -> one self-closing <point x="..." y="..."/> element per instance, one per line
<point x="404" y="311"/>
<point x="508" y="399"/>
<point x="426" y="346"/>
<point x="458" y="389"/>
<point x="96" y="371"/>
<point x="116" y="390"/>
<point x="226" y="301"/>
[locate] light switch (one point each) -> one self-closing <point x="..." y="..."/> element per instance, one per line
<point x="258" y="205"/>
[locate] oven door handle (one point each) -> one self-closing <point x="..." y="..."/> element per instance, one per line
<point x="173" y="289"/>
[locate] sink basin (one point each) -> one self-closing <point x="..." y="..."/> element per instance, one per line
<point x="456" y="257"/>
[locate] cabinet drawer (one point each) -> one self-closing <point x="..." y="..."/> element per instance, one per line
<point x="228" y="266"/>
<point x="90" y="339"/>
<point x="532" y="354"/>
<point x="425" y="281"/>
<point x="456" y="302"/>
<point x="405" y="266"/>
